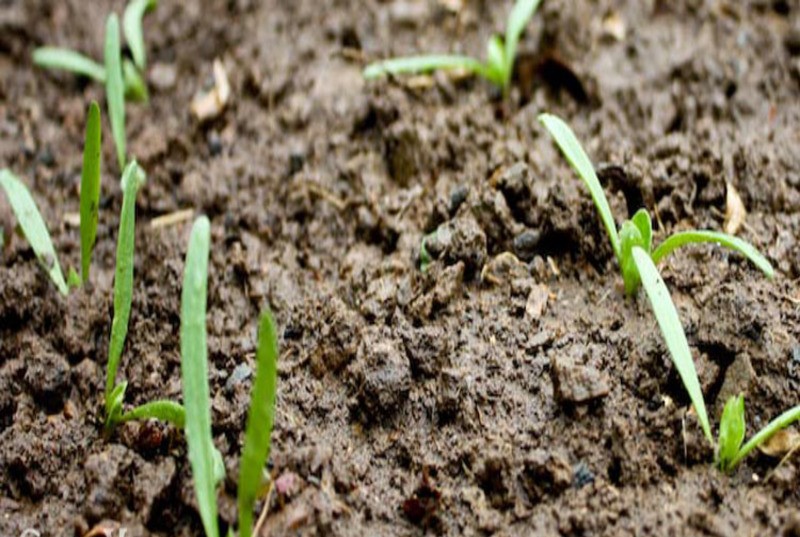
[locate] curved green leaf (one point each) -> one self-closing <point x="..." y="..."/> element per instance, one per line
<point x="33" y="226"/>
<point x="194" y="374"/>
<point x="495" y="61"/>
<point x="518" y="19"/>
<point x="424" y="64"/>
<point x="673" y="242"/>
<point x="115" y="88"/>
<point x="123" y="274"/>
<point x="132" y="27"/>
<point x="577" y="157"/>
<point x="90" y="188"/>
<point x="166" y="411"/>
<point x="781" y="422"/>
<point x="69" y="60"/>
<point x="135" y="88"/>
<point x="259" y="423"/>
<point x="731" y="431"/>
<point x="671" y="329"/>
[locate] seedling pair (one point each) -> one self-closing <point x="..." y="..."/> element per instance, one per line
<point x="633" y="247"/>
<point x="122" y="78"/>
<point x="500" y="54"/>
<point x="32" y="223"/>
<point x="203" y="456"/>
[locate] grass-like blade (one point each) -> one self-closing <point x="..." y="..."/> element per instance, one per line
<point x="781" y="422"/>
<point x="135" y="88"/>
<point x="259" y="422"/>
<point x="731" y="431"/>
<point x="670" y="324"/>
<point x="123" y="276"/>
<point x="166" y="411"/>
<point x="194" y="374"/>
<point x="90" y="188"/>
<point x="424" y="64"/>
<point x="677" y="240"/>
<point x="33" y="226"/>
<point x="577" y="157"/>
<point x="69" y="60"/>
<point x="115" y="88"/>
<point x="517" y="21"/>
<point x="132" y="27"/>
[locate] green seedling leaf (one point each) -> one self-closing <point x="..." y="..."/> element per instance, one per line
<point x="259" y="422"/>
<point x="132" y="27"/>
<point x="424" y="64"/>
<point x="629" y="237"/>
<point x="518" y="20"/>
<point x="577" y="157"/>
<point x="496" y="61"/>
<point x="645" y="226"/>
<point x="115" y="90"/>
<point x="69" y="60"/>
<point x="734" y="243"/>
<point x="194" y="374"/>
<point x="166" y="411"/>
<point x="90" y="188"/>
<point x="114" y="401"/>
<point x="123" y="275"/>
<point x="671" y="328"/>
<point x="33" y="227"/>
<point x="781" y="422"/>
<point x="73" y="279"/>
<point x="425" y="258"/>
<point x="731" y="431"/>
<point x="135" y="88"/>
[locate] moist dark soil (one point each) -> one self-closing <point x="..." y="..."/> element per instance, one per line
<point x="511" y="389"/>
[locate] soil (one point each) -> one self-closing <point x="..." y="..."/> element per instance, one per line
<point x="495" y="394"/>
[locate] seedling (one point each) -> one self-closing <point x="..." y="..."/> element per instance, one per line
<point x="122" y="77"/>
<point x="33" y="227"/>
<point x="730" y="451"/>
<point x="500" y="54"/>
<point x="204" y="459"/>
<point x="90" y="188"/>
<point x="167" y="411"/>
<point x="634" y="252"/>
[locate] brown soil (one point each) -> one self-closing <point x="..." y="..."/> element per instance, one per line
<point x="486" y="396"/>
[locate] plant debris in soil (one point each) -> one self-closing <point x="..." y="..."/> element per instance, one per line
<point x="510" y="388"/>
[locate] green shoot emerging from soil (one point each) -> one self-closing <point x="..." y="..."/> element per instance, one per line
<point x="633" y="247"/>
<point x="33" y="227"/>
<point x="167" y="411"/>
<point x="115" y="96"/>
<point x="500" y="54"/>
<point x="90" y="188"/>
<point x="205" y="460"/>
<point x="730" y="451"/>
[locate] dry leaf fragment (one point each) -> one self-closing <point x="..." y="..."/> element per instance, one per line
<point x="735" y="213"/>
<point x="780" y="443"/>
<point x="211" y="104"/>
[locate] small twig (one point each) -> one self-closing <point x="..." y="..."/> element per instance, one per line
<point x="265" y="510"/>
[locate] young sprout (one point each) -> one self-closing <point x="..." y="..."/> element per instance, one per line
<point x="730" y="451"/>
<point x="132" y="27"/>
<point x="33" y="227"/>
<point x="633" y="248"/>
<point x="500" y="54"/>
<point x="167" y="411"/>
<point x="114" y="90"/>
<point x="90" y="188"/>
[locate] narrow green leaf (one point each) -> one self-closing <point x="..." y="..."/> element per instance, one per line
<point x="132" y="27"/>
<point x="73" y="280"/>
<point x="194" y="374"/>
<point x="90" y="188"/>
<point x="166" y="411"/>
<point x="671" y="329"/>
<point x="115" y="90"/>
<point x="731" y="431"/>
<point x="629" y="237"/>
<point x="33" y="226"/>
<point x="69" y="60"/>
<point x="577" y="157"/>
<point x="135" y="88"/>
<point x="495" y="61"/>
<point x="645" y="226"/>
<point x="677" y="240"/>
<point x="114" y="402"/>
<point x="259" y="422"/>
<point x="123" y="275"/>
<point x="518" y="19"/>
<point x="781" y="422"/>
<point x="424" y="64"/>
